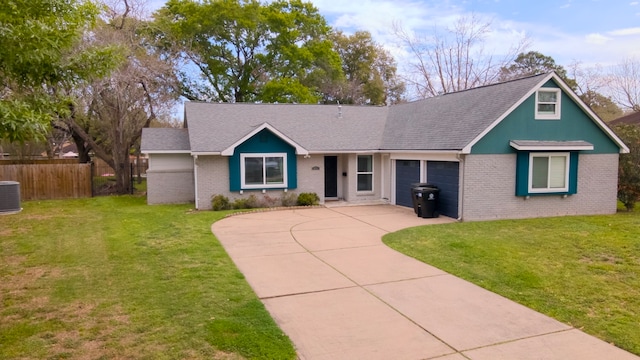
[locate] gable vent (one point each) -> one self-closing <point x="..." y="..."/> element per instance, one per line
<point x="9" y="196"/>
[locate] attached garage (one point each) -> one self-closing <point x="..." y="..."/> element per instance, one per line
<point x="407" y="173"/>
<point x="446" y="176"/>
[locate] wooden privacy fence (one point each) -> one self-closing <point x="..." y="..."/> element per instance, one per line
<point x="49" y="181"/>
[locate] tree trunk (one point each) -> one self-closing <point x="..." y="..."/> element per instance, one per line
<point x="122" y="167"/>
<point x="83" y="150"/>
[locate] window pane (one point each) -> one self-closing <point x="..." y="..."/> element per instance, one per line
<point x="558" y="167"/>
<point x="274" y="168"/>
<point x="547" y="108"/>
<point x="365" y="163"/>
<point x="365" y="182"/>
<point x="253" y="170"/>
<point x="547" y="96"/>
<point x="540" y="172"/>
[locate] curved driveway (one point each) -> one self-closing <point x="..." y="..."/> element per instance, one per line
<point x="340" y="293"/>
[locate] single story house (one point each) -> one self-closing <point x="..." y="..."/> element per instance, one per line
<point x="522" y="148"/>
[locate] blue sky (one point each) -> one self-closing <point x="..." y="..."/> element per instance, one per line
<point x="590" y="31"/>
<point x="593" y="32"/>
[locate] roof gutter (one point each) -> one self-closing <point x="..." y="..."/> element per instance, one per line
<point x="379" y="151"/>
<point x="196" y="153"/>
<point x="165" y="151"/>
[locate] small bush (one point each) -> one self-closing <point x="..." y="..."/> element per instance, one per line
<point x="220" y="202"/>
<point x="289" y="199"/>
<point x="250" y="202"/>
<point x="269" y="202"/>
<point x="307" y="199"/>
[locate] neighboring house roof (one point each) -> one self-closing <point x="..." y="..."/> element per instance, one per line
<point x="450" y="122"/>
<point x="165" y="140"/>
<point x="633" y="118"/>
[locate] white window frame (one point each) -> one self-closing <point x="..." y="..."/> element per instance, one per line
<point x="548" y="189"/>
<point x="557" y="103"/>
<point x="264" y="185"/>
<point x="358" y="173"/>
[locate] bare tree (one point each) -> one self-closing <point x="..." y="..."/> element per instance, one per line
<point x="455" y="59"/>
<point x="109" y="113"/>
<point x="624" y="81"/>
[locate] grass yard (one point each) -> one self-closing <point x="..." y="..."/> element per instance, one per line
<point x="583" y="270"/>
<point x="111" y="277"/>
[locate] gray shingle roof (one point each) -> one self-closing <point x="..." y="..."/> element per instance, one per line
<point x="164" y="139"/>
<point x="452" y="121"/>
<point x="214" y="127"/>
<point x="448" y="122"/>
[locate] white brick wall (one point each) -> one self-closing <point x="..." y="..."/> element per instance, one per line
<point x="351" y="193"/>
<point x="213" y="179"/>
<point x="489" y="189"/>
<point x="170" y="186"/>
<point x="310" y="180"/>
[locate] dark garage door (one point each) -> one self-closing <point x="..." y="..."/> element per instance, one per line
<point x="446" y="176"/>
<point x="407" y="173"/>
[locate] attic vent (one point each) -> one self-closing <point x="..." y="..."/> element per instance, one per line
<point x="9" y="196"/>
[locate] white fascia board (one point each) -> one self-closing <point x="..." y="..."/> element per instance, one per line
<point x="623" y="148"/>
<point x="196" y="153"/>
<point x="567" y="90"/>
<point x="320" y="152"/>
<point x="454" y="152"/>
<point x="166" y="152"/>
<point x="550" y="147"/>
<point x="299" y="149"/>
<point x="467" y="149"/>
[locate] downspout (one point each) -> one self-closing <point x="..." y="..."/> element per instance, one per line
<point x="195" y="178"/>
<point x="460" y="157"/>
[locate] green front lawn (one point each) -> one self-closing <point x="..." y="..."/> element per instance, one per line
<point x="583" y="270"/>
<point x="111" y="277"/>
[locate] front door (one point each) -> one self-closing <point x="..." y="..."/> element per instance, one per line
<point x="331" y="177"/>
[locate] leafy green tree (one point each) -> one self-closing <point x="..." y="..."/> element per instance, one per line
<point x="370" y="72"/>
<point x="602" y="105"/>
<point x="534" y="63"/>
<point x="242" y="50"/>
<point x="629" y="168"/>
<point x="38" y="38"/>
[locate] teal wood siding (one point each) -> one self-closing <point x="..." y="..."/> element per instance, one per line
<point x="263" y="142"/>
<point x="574" y="124"/>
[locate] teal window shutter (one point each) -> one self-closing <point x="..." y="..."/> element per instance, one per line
<point x="522" y="173"/>
<point x="573" y="172"/>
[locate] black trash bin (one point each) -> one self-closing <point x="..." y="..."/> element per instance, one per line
<point x="414" y="198"/>
<point x="425" y="201"/>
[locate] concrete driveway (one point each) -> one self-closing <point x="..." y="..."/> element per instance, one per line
<point x="340" y="293"/>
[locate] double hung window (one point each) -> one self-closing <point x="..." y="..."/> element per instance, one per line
<point x="365" y="173"/>
<point x="548" y="104"/>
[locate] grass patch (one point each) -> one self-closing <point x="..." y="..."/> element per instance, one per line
<point x="111" y="277"/>
<point x="583" y="270"/>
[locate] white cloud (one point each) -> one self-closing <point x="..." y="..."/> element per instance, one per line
<point x="597" y="39"/>
<point x="625" y="32"/>
<point x="634" y="3"/>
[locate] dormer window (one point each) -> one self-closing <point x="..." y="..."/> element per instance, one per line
<point x="548" y="104"/>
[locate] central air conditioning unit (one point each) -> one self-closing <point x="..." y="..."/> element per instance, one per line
<point x="9" y="196"/>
